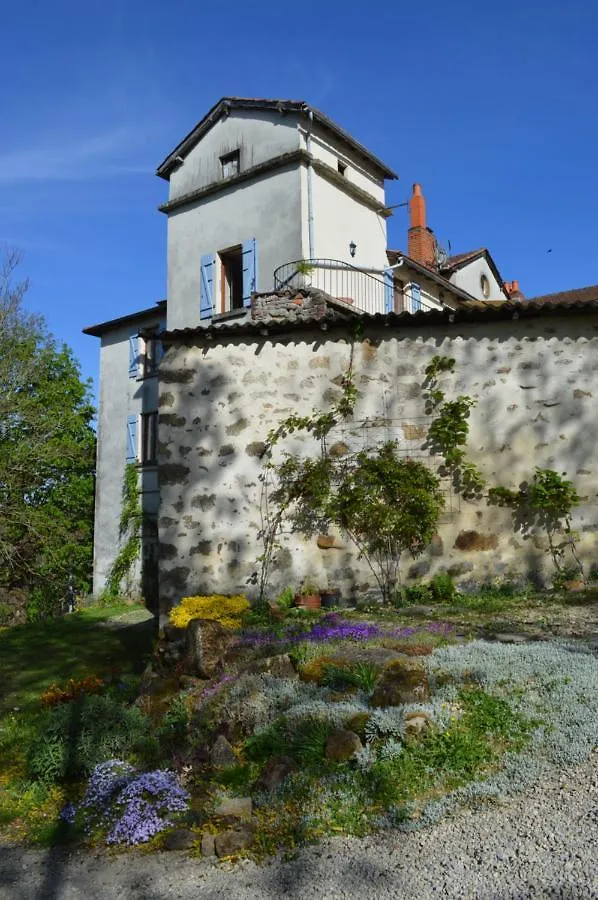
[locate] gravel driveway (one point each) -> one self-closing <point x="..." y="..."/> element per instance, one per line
<point x="544" y="844"/>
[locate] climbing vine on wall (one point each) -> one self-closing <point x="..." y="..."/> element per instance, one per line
<point x="546" y="501"/>
<point x="449" y="430"/>
<point x="130" y="533"/>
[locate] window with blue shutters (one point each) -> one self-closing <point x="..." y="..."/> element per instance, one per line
<point x="388" y="291"/>
<point x="416" y="303"/>
<point x="132" y="445"/>
<point x="206" y="286"/>
<point x="249" y="270"/>
<point x="133" y="356"/>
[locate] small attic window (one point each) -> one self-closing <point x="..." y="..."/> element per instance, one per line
<point x="485" y="286"/>
<point x="231" y="163"/>
<point x="341" y="166"/>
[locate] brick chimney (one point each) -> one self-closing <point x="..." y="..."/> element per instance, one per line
<point x="421" y="244"/>
<point x="512" y="289"/>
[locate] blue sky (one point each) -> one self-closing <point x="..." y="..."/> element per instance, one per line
<point x="492" y="107"/>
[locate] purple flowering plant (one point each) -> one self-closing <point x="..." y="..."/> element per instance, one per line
<point x="131" y="807"/>
<point x="332" y="627"/>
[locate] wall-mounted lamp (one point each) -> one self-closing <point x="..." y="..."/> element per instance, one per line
<point x="352" y="248"/>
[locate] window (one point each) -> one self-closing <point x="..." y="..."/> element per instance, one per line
<point x="151" y="351"/>
<point x="228" y="279"/>
<point x="231" y="279"/>
<point x="342" y="168"/>
<point x="231" y="164"/>
<point x="485" y="286"/>
<point x="149" y="438"/>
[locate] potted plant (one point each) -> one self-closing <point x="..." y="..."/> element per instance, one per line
<point x="307" y="596"/>
<point x="330" y="597"/>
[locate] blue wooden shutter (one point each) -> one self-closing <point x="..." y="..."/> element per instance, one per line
<point x="388" y="291"/>
<point x="249" y="270"/>
<point x="131" y="439"/>
<point x="133" y="356"/>
<point x="206" y="287"/>
<point x="416" y="303"/>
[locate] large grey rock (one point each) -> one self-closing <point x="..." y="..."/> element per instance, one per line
<point x="180" y="839"/>
<point x="207" y="645"/>
<point x="222" y="755"/>
<point x="237" y="807"/>
<point x="274" y="773"/>
<point x="280" y="666"/>
<point x="230" y="842"/>
<point x="208" y="844"/>
<point x="404" y="681"/>
<point x="342" y="745"/>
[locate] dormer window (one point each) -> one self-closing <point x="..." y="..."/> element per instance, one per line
<point x="231" y="164"/>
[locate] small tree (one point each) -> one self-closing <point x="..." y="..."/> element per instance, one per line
<point x="387" y="506"/>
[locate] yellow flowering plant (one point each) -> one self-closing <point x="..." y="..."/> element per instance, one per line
<point x="227" y="611"/>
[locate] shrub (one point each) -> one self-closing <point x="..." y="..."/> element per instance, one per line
<point x="443" y="588"/>
<point x="73" y="738"/>
<point x="227" y="611"/>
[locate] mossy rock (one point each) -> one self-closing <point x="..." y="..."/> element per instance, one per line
<point x="403" y="681"/>
<point x="358" y="724"/>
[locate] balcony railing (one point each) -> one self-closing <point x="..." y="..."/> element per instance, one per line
<point x="368" y="291"/>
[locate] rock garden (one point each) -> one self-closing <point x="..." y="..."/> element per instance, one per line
<point x="253" y="731"/>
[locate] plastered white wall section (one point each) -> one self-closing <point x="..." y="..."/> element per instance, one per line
<point x="259" y="136"/>
<point x="359" y="172"/>
<point x="267" y="209"/>
<point x="534" y="380"/>
<point x="469" y="278"/>
<point x="341" y="219"/>
<point x="120" y="397"/>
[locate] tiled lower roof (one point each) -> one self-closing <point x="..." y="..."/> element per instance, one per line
<point x="468" y="311"/>
<point x="578" y="295"/>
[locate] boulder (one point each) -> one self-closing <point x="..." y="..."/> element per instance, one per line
<point x="280" y="666"/>
<point x="417" y="724"/>
<point x="274" y="773"/>
<point x="230" y="842"/>
<point x="403" y="681"/>
<point x="179" y="839"/>
<point x="358" y="724"/>
<point x="207" y="645"/>
<point x="236" y="807"/>
<point x="207" y="844"/>
<point x="342" y="745"/>
<point x="222" y="755"/>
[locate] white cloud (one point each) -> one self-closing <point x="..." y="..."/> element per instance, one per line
<point x="119" y="150"/>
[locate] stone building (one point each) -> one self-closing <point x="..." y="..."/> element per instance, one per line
<point x="276" y="237"/>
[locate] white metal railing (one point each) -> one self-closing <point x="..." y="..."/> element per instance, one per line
<point x="365" y="290"/>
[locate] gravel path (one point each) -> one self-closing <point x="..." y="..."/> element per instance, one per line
<point x="544" y="844"/>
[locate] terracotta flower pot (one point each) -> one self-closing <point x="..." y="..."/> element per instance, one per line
<point x="308" y="601"/>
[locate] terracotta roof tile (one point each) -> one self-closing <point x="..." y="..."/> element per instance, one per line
<point x="577" y="295"/>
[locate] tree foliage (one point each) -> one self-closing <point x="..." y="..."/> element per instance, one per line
<point x="46" y="455"/>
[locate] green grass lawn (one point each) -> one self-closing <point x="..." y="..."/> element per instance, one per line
<point x="38" y="654"/>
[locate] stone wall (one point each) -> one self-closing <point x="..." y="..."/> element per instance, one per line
<point x="535" y="380"/>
